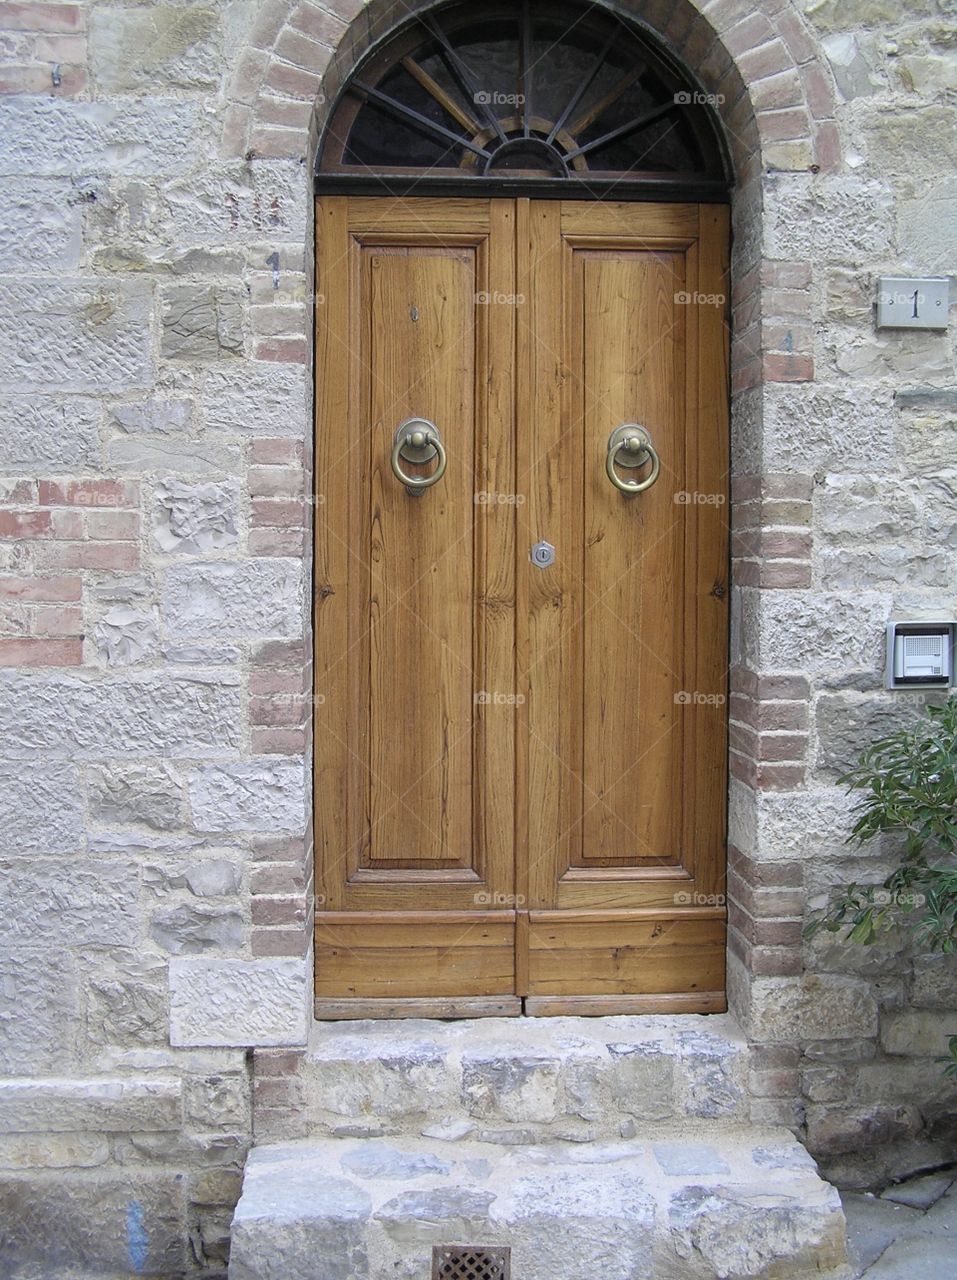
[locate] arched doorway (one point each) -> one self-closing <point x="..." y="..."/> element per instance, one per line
<point x="521" y="534"/>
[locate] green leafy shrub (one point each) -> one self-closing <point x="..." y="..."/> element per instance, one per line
<point x="908" y="785"/>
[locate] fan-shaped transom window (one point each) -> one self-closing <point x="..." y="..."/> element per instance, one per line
<point x="515" y="96"/>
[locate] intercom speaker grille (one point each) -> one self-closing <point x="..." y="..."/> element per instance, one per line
<point x="470" y="1262"/>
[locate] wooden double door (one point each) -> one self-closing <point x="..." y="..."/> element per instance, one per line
<point x="520" y="670"/>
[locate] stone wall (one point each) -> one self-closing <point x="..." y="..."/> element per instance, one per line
<point x="155" y="377"/>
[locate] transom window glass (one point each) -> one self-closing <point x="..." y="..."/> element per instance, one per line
<point x="531" y="93"/>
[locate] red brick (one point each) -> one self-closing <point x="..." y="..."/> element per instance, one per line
<point x="25" y="524"/>
<point x="780" y="777"/>
<point x="301" y="51"/>
<point x="279" y="849"/>
<point x="277" y="144"/>
<point x="277" y="1062"/>
<point x="115" y="526"/>
<point x="780" y="545"/>
<point x="284" y="709"/>
<point x="275" y="451"/>
<point x="64" y="49"/>
<point x="786" y="275"/>
<point x="282" y="653"/>
<point x="41" y="588"/>
<point x="279" y="942"/>
<point x="769" y="688"/>
<point x="785" y="368"/>
<point x="22" y="493"/>
<point x="788" y="484"/>
<point x="52" y="621"/>
<point x="279" y="911"/>
<point x="771" y="59"/>
<point x="784" y="575"/>
<point x="795" y="36"/>
<point x="281" y="350"/>
<point x="778" y="303"/>
<point x="29" y="651"/>
<point x="276" y="542"/>
<point x="782" y="746"/>
<point x="273" y="482"/>
<point x="291" y="81"/>
<point x="282" y="742"/>
<point x="746" y="374"/>
<point x="827" y="147"/>
<point x="88" y="493"/>
<point x="68" y="525"/>
<point x="31" y="78"/>
<point x="775" y="92"/>
<point x="787" y="339"/>
<point x="752" y="32"/>
<point x="278" y="514"/>
<point x="276" y="1091"/>
<point x="41" y="17"/>
<point x="817" y="91"/>
<point x="281" y="878"/>
<point x="318" y="24"/>
<point x="264" y="682"/>
<point x="99" y="555"/>
<point x="788" y="125"/>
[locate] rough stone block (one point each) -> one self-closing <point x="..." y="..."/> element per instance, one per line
<point x="192" y="929"/>
<point x="799" y="421"/>
<point x="277" y="395"/>
<point x="820" y="632"/>
<point x="265" y="199"/>
<point x="194" y="519"/>
<point x="41" y="809"/>
<point x="238" y="1002"/>
<point x="847" y="723"/>
<point x="126" y="1001"/>
<point x="40" y="227"/>
<point x="77" y="903"/>
<point x="185" y="455"/>
<point x="201" y="322"/>
<point x="186" y="714"/>
<point x="123" y="637"/>
<point x="821" y="1006"/>
<point x="101" y="1105"/>
<point x="53" y="1151"/>
<point x="75" y="335"/>
<point x="259" y="795"/>
<point x="94" y="1224"/>
<point x="934" y="984"/>
<point x="157" y="414"/>
<point x="165" y="44"/>
<point x="151" y="794"/>
<point x="136" y="135"/>
<point x="38" y="1009"/>
<point x="844" y="219"/>
<point x="917" y="1033"/>
<point x="231" y="599"/>
<point x="926" y="224"/>
<point x="46" y="436"/>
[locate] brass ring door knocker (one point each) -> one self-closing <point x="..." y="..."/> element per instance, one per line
<point x="630" y="446"/>
<point x="418" y="440"/>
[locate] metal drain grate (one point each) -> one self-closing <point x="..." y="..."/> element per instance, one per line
<point x="470" y="1262"/>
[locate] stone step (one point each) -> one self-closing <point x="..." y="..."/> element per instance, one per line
<point x="696" y="1201"/>
<point x="512" y="1080"/>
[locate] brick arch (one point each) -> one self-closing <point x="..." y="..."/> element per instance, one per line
<point x="775" y="97"/>
<point x="777" y="107"/>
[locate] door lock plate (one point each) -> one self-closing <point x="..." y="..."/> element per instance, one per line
<point x="543" y="554"/>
